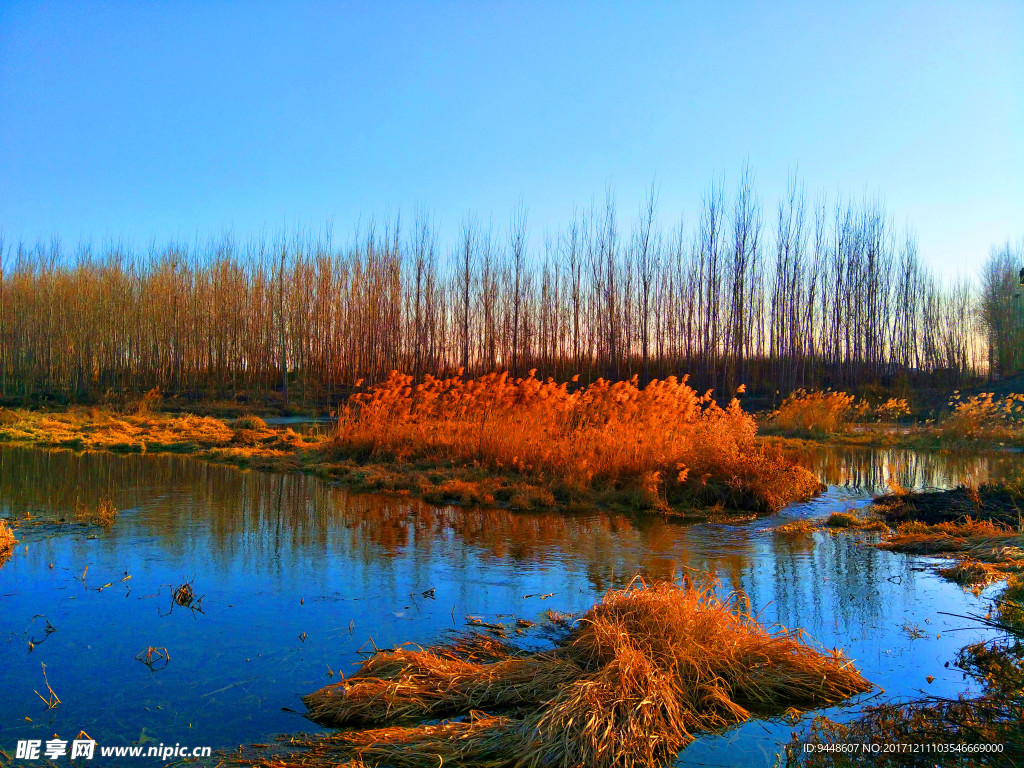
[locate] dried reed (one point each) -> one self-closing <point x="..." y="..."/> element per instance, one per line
<point x="664" y="444"/>
<point x="795" y="528"/>
<point x="636" y="679"/>
<point x="7" y="540"/>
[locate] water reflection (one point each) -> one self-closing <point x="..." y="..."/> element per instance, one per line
<point x="298" y="575"/>
<point x="874" y="469"/>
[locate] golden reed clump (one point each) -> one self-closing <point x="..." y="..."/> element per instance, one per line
<point x="665" y="443"/>
<point x="7" y="540"/>
<point x="815" y="412"/>
<point x="983" y="416"/>
<point x="638" y="677"/>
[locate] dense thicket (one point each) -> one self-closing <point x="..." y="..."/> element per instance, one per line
<point x="809" y="295"/>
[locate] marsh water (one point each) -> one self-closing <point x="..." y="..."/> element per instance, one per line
<point x="298" y="577"/>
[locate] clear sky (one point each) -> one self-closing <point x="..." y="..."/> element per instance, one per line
<point x="174" y="120"/>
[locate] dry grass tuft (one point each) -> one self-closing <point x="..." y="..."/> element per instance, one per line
<point x="663" y="446"/>
<point x="636" y="679"/>
<point x="250" y="422"/>
<point x="980" y="539"/>
<point x="105" y="513"/>
<point x="7" y="540"/>
<point x="842" y="520"/>
<point x="971" y="573"/>
<point x="796" y="528"/>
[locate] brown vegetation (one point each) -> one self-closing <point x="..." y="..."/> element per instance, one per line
<point x="520" y="442"/>
<point x="983" y="417"/>
<point x="796" y="528"/>
<point x="837" y="521"/>
<point x="96" y="429"/>
<point x="1002" y="504"/>
<point x="637" y="678"/>
<point x="104" y="514"/>
<point x="7" y="540"/>
<point x="665" y="445"/>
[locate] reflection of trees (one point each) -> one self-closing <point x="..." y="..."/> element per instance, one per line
<point x="273" y="522"/>
<point x="300" y="527"/>
<point x="871" y="468"/>
<point x="833" y="584"/>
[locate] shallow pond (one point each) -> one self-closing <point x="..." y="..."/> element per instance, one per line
<point x="297" y="577"/>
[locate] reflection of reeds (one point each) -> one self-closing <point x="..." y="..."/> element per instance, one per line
<point x="637" y="678"/>
<point x="662" y="445"/>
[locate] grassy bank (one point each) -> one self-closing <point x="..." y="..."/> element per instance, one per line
<point x="493" y="440"/>
<point x="634" y="680"/>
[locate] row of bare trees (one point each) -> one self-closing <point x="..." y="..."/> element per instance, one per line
<point x="808" y="293"/>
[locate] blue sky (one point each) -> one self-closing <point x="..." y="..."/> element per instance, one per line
<point x="152" y="121"/>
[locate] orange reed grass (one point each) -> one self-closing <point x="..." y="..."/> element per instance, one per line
<point x="7" y="540"/>
<point x="664" y="443"/>
<point x="639" y="676"/>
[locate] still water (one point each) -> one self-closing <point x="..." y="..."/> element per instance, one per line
<point x="297" y="577"/>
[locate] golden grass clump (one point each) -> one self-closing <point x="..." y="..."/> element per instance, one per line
<point x="7" y="540"/>
<point x="249" y="421"/>
<point x="637" y="678"/>
<point x="664" y="445"/>
<point x="982" y="539"/>
<point x="796" y="528"/>
<point x="842" y="520"/>
<point x="971" y="573"/>
<point x="823" y="413"/>
<point x="983" y="417"/>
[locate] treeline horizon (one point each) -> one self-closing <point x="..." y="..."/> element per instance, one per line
<point x="810" y="294"/>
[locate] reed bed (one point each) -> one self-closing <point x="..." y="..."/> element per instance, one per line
<point x="983" y="417"/>
<point x="664" y="445"/>
<point x="822" y="413"/>
<point x="633" y="681"/>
